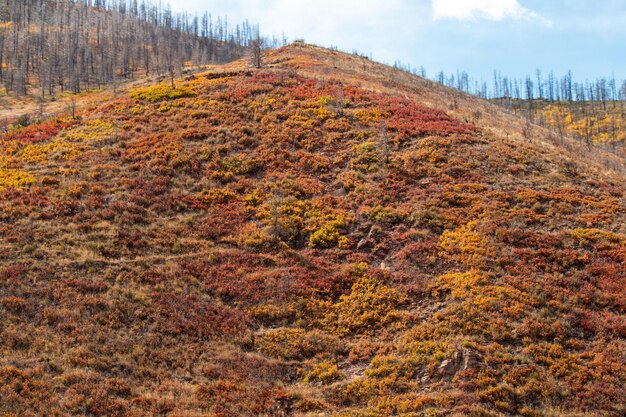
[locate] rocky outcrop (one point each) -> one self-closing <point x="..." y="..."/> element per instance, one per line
<point x="460" y="361"/>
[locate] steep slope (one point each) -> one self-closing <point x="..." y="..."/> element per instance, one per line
<point x="326" y="64"/>
<point x="305" y="241"/>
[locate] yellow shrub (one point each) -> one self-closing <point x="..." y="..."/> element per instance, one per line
<point x="460" y="284"/>
<point x="254" y="198"/>
<point x="137" y="109"/>
<point x="251" y="236"/>
<point x="40" y="153"/>
<point x="325" y="100"/>
<point x="465" y="245"/>
<point x="367" y="156"/>
<point x="94" y="131"/>
<point x="161" y="92"/>
<point x="268" y="313"/>
<point x="368" y="115"/>
<point x="328" y="235"/>
<point x="325" y="372"/>
<point x="216" y="195"/>
<point x="321" y="113"/>
<point x="283" y="343"/>
<point x="585" y="236"/>
<point x="15" y="179"/>
<point x="288" y="343"/>
<point x="284" y="218"/>
<point x="387" y="214"/>
<point x="370" y="305"/>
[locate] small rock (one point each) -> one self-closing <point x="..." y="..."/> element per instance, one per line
<point x="447" y="367"/>
<point x="374" y="231"/>
<point x="460" y="361"/>
<point x="340" y="192"/>
<point x="362" y="243"/>
<point x="471" y="359"/>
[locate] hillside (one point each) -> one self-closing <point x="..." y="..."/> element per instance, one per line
<point x="594" y="122"/>
<point x="48" y="47"/>
<point x="504" y="122"/>
<point x="324" y="236"/>
<point x="600" y="124"/>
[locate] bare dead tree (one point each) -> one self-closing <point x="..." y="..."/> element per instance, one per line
<point x="256" y="51"/>
<point x="58" y="45"/>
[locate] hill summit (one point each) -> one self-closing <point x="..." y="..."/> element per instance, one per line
<point x="324" y="236"/>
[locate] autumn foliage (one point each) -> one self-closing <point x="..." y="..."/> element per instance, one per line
<point x="263" y="243"/>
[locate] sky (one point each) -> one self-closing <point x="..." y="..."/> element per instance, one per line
<point x="514" y="37"/>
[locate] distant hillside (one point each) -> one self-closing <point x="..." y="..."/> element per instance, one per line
<point x="51" y="46"/>
<point x="593" y="122"/>
<point x="324" y="236"/>
<point x="590" y="111"/>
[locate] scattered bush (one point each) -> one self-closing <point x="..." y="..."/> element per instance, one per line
<point x="368" y="307"/>
<point x="161" y="92"/>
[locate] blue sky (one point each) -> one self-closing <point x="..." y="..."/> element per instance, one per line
<point x="512" y="36"/>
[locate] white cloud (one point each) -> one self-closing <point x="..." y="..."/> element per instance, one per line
<point x="367" y="26"/>
<point x="484" y="9"/>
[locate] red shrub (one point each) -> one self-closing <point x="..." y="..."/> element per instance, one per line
<point x="39" y="132"/>
<point x="197" y="317"/>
